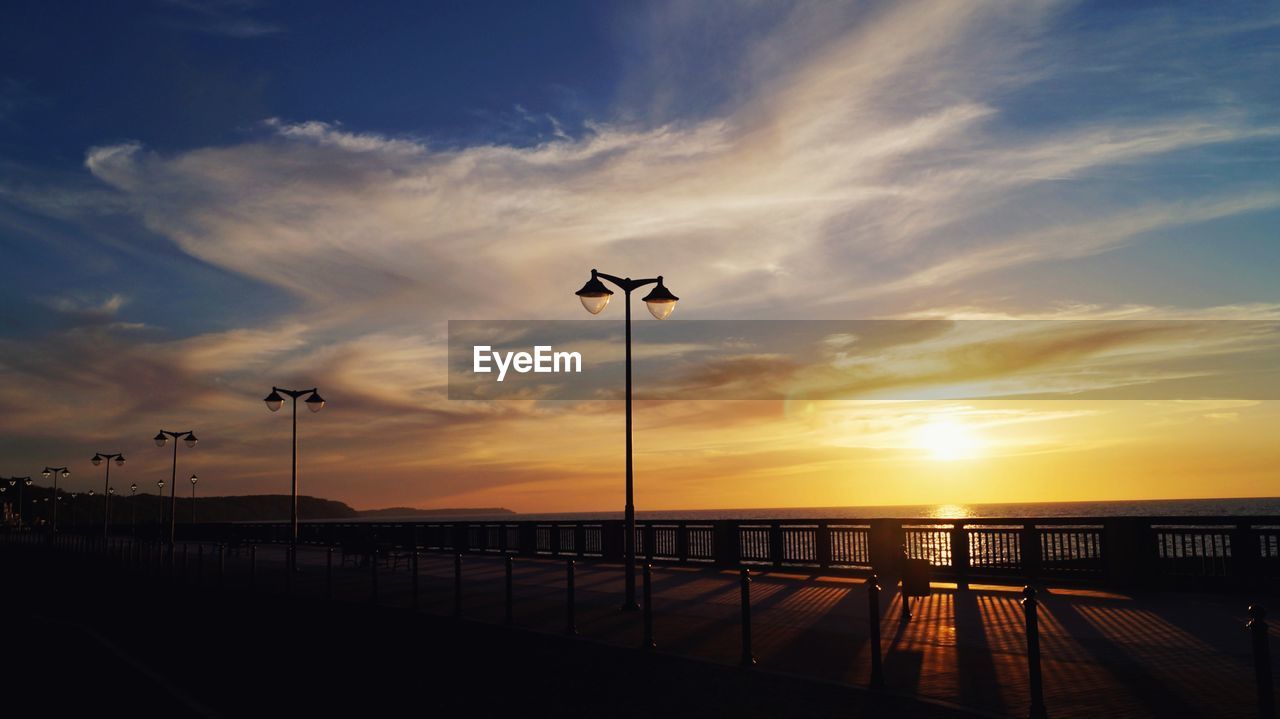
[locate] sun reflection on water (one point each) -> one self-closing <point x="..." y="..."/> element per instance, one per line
<point x="947" y="511"/>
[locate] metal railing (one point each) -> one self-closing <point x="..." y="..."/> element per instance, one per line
<point x="1170" y="552"/>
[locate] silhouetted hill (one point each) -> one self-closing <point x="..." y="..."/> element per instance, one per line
<point x="415" y="512"/>
<point x="145" y="509"/>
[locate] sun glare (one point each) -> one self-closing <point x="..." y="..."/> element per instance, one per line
<point x="947" y="440"/>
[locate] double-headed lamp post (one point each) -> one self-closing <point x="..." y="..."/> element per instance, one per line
<point x="194" y="479"/>
<point x="595" y="296"/>
<point x="106" y="486"/>
<point x="55" y="472"/>
<point x="161" y="438"/>
<point x="315" y="403"/>
<point x="21" y="482"/>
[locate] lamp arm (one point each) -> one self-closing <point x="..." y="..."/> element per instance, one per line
<point x="627" y="284"/>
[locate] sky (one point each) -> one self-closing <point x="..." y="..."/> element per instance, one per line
<point x="200" y="200"/>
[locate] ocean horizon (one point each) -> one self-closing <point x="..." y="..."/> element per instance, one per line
<point x="1225" y="507"/>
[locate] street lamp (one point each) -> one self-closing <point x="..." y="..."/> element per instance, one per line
<point x="133" y="509"/>
<point x="193" y="498"/>
<point x="106" y="485"/>
<point x="314" y="403"/>
<point x="21" y="482"/>
<point x="160" y="520"/>
<point x="55" y="472"/>
<point x="595" y="296"/>
<point x="161" y="438"/>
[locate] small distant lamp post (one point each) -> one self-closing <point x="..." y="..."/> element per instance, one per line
<point x="315" y="403"/>
<point x="55" y="472"/>
<point x="595" y="296"/>
<point x="3" y="489"/>
<point x="160" y="520"/>
<point x="133" y="509"/>
<point x="161" y="438"/>
<point x="194" y="479"/>
<point x="106" y="485"/>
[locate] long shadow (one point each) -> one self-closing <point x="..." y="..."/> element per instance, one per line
<point x="1157" y="696"/>
<point x="978" y="683"/>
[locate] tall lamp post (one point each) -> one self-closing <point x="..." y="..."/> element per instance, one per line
<point x="161" y="438"/>
<point x="194" y="479"/>
<point x="55" y="472"/>
<point x="595" y="296"/>
<point x="315" y="403"/>
<point x="106" y="486"/>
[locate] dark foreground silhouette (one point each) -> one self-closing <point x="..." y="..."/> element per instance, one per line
<point x="81" y="639"/>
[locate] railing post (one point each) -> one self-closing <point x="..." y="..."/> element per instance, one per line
<point x="253" y="566"/>
<point x="290" y="561"/>
<point x="413" y="566"/>
<point x="822" y="544"/>
<point x="184" y="564"/>
<point x="1029" y="607"/>
<point x="1029" y="550"/>
<point x="507" y="618"/>
<point x="960" y="554"/>
<point x="222" y="564"/>
<point x="457" y="585"/>
<point x="1245" y="555"/>
<point x="748" y="658"/>
<point x="1262" y="661"/>
<point x="776" y="549"/>
<point x="647" y="642"/>
<point x="570" y="621"/>
<point x="873" y="624"/>
<point x="726" y="543"/>
<point x="328" y="574"/>
<point x="373" y="577"/>
<point x="199" y="564"/>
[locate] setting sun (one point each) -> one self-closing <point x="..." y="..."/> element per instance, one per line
<point x="947" y="439"/>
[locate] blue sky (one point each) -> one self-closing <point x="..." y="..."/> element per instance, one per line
<point x="198" y="199"/>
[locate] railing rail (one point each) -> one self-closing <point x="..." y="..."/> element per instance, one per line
<point x="1177" y="552"/>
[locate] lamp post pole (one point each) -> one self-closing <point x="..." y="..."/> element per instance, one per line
<point x="194" y="479"/>
<point x="106" y="487"/>
<point x="595" y="296"/>
<point x="314" y="403"/>
<point x="160" y="516"/>
<point x="133" y="509"/>
<point x="160" y="439"/>
<point x="55" y="472"/>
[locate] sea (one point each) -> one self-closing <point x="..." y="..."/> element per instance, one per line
<point x="1230" y="507"/>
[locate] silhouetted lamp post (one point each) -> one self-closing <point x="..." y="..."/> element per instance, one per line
<point x="194" y="479"/>
<point x="595" y="296"/>
<point x="4" y="503"/>
<point x="161" y="438"/>
<point x="133" y="509"/>
<point x="54" y="473"/>
<point x="315" y="403"/>
<point x="160" y="518"/>
<point x="22" y="509"/>
<point x="106" y="485"/>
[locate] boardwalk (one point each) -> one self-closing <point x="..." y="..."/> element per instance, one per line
<point x="1105" y="653"/>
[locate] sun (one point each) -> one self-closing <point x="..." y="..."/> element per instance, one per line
<point x="947" y="440"/>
